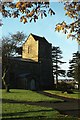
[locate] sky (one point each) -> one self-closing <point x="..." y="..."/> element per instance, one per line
<point x="45" y="27"/>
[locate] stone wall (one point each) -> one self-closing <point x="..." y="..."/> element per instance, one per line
<point x="40" y="72"/>
<point x="30" y="49"/>
<point x="44" y="50"/>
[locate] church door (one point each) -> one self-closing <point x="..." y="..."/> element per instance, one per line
<point x="32" y="85"/>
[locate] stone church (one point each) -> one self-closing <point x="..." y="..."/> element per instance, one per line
<point x="34" y="69"/>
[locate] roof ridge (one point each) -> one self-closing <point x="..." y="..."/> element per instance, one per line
<point x="36" y="36"/>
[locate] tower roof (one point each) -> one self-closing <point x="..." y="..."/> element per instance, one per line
<point x="39" y="38"/>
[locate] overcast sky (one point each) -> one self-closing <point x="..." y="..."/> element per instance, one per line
<point x="45" y="27"/>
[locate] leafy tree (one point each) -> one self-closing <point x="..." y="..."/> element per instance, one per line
<point x="73" y="29"/>
<point x="9" y="47"/>
<point x="74" y="69"/>
<point x="56" y="59"/>
<point x="26" y="10"/>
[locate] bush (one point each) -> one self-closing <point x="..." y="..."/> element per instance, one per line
<point x="65" y="87"/>
<point x="69" y="91"/>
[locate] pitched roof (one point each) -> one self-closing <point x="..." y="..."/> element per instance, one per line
<point x="36" y="37"/>
<point x="39" y="38"/>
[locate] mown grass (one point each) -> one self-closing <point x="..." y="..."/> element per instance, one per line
<point x="23" y="110"/>
<point x="26" y="95"/>
<point x="13" y="109"/>
<point x="32" y="112"/>
<point x="76" y="94"/>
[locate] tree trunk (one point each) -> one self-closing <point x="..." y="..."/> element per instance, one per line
<point x="56" y="80"/>
<point x="4" y="82"/>
<point x="6" y="85"/>
<point x="7" y="88"/>
<point x="56" y="72"/>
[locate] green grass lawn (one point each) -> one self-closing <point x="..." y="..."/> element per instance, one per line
<point x="26" y="112"/>
<point x="23" y="111"/>
<point x="26" y="95"/>
<point x="76" y="94"/>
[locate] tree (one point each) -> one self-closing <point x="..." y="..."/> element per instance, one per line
<point x="26" y="10"/>
<point x="74" y="69"/>
<point x="56" y="60"/>
<point x="10" y="44"/>
<point x="9" y="47"/>
<point x="73" y="29"/>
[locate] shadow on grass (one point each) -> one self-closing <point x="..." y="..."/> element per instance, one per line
<point x="12" y="101"/>
<point x="72" y="112"/>
<point x="52" y="95"/>
<point x="65" y="99"/>
<point x="32" y="118"/>
<point x="42" y="118"/>
<point x="28" y="102"/>
<point x="21" y="113"/>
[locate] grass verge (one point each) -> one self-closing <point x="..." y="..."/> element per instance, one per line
<point x="75" y="95"/>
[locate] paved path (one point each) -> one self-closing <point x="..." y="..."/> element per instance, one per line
<point x="70" y="106"/>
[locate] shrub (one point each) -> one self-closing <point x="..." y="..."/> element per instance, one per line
<point x="65" y="87"/>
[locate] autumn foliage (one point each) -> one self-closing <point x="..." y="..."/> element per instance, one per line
<point x="72" y="30"/>
<point x="26" y="11"/>
<point x="32" y="11"/>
